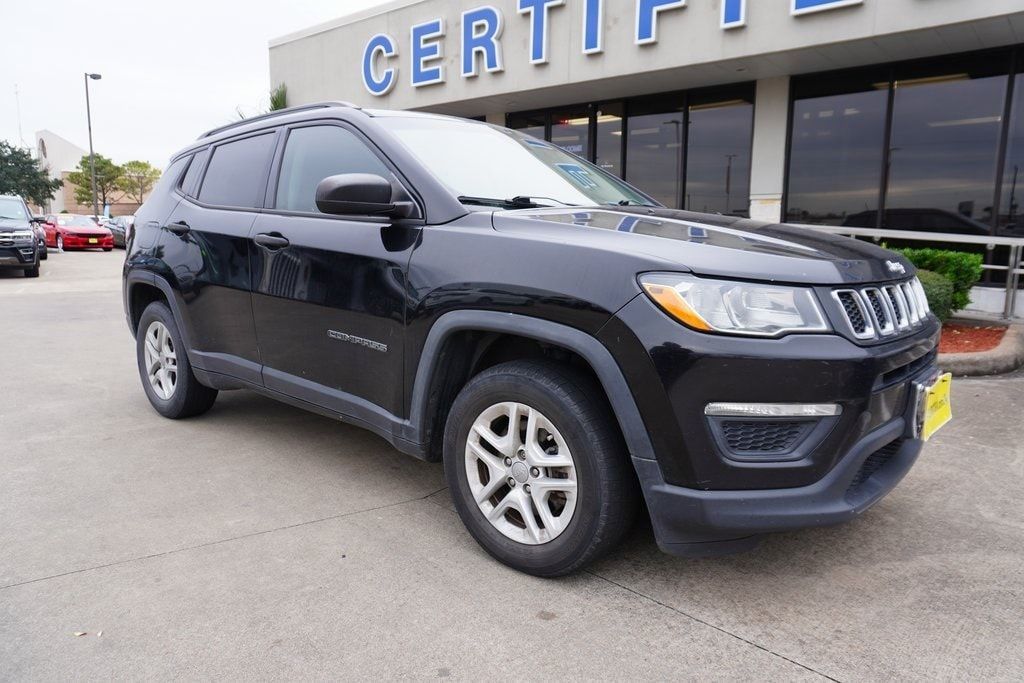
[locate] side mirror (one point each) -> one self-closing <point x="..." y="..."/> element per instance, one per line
<point x="38" y="219"/>
<point x="360" y="194"/>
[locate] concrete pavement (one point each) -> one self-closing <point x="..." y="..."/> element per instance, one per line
<point x="259" y="541"/>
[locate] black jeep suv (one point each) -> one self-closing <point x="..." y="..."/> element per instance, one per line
<point x="19" y="247"/>
<point x="564" y="344"/>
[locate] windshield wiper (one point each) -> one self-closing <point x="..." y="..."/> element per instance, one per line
<point x="628" y="202"/>
<point x="517" y="202"/>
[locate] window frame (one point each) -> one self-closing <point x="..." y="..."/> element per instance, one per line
<point x="274" y="176"/>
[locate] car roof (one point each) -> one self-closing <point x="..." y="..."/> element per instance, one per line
<point x="337" y="109"/>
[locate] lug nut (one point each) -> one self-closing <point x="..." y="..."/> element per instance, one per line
<point x="521" y="453"/>
<point x="534" y="472"/>
<point x="526" y="487"/>
<point x="511" y="482"/>
<point x="508" y="462"/>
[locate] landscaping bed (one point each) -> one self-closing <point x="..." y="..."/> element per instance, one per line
<point x="961" y="338"/>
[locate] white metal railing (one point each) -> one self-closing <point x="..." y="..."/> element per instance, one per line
<point x="1014" y="268"/>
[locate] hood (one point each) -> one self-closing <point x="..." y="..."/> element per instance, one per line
<point x="9" y="224"/>
<point x="716" y="245"/>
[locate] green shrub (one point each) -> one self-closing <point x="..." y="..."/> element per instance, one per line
<point x="940" y="292"/>
<point x="960" y="268"/>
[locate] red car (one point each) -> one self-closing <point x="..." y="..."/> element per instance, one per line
<point x="68" y="231"/>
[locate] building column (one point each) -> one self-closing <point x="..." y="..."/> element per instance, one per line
<point x="768" y="156"/>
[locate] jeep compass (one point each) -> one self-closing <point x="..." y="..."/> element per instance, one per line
<point x="565" y="345"/>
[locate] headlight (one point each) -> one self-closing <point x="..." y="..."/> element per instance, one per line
<point x="744" y="308"/>
<point x="23" y="235"/>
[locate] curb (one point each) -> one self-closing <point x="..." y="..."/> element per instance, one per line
<point x="1006" y="357"/>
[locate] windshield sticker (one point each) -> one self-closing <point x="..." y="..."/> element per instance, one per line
<point x="578" y="175"/>
<point x="533" y="142"/>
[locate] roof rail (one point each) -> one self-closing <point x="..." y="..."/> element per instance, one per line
<point x="279" y="112"/>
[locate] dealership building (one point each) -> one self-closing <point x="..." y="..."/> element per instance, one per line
<point x="885" y="114"/>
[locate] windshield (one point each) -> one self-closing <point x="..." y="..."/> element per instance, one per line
<point x="485" y="164"/>
<point x="13" y="209"/>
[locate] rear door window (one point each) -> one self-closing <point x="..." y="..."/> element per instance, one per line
<point x="190" y="184"/>
<point x="237" y="172"/>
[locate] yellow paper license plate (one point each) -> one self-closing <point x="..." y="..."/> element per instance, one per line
<point x="937" y="410"/>
<point x="93" y="240"/>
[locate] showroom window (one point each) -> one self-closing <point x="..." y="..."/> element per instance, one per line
<point x="836" y="143"/>
<point x="685" y="149"/>
<point x="719" y="136"/>
<point x="1011" y="193"/>
<point x="909" y="146"/>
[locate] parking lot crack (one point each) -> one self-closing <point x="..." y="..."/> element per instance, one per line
<point x="240" y="537"/>
<point x="710" y="625"/>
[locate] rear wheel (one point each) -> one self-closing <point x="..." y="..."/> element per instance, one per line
<point x="537" y="468"/>
<point x="108" y="249"/>
<point x="166" y="374"/>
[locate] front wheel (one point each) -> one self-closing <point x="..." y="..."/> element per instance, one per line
<point x="32" y="272"/>
<point x="42" y="252"/>
<point x="167" y="376"/>
<point x="60" y="243"/>
<point x="108" y="249"/>
<point x="537" y="468"/>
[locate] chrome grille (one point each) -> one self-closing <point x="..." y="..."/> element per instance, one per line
<point x="879" y="312"/>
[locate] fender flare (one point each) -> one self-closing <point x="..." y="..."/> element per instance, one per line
<point x="146" y="277"/>
<point x="588" y="347"/>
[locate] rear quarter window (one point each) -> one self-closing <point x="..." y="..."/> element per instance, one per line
<point x="236" y="175"/>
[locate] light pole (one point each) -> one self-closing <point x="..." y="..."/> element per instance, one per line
<point x="92" y="159"/>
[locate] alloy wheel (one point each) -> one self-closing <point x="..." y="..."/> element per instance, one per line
<point x="161" y="360"/>
<point x="521" y="473"/>
<point x="60" y="243"/>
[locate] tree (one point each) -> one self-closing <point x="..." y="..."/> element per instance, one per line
<point x="20" y="174"/>
<point x="137" y="179"/>
<point x="108" y="175"/>
<point x="279" y="98"/>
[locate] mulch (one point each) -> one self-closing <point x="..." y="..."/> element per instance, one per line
<point x="968" y="338"/>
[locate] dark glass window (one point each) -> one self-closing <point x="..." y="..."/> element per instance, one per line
<point x="314" y="153"/>
<point x="170" y="176"/>
<point x="835" y="157"/>
<point x="570" y="130"/>
<point x="237" y="172"/>
<point x="946" y="124"/>
<point x="654" y="140"/>
<point x="608" y="144"/>
<point x="719" y="138"/>
<point x="1012" y="193"/>
<point x="530" y="124"/>
<point x="190" y="183"/>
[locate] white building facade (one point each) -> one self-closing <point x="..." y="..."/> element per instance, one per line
<point x="899" y="114"/>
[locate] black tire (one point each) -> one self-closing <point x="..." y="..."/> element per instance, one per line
<point x="108" y="249"/>
<point x="607" y="494"/>
<point x="190" y="398"/>
<point x="43" y="254"/>
<point x="32" y="272"/>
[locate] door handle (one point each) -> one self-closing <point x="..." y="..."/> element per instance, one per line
<point x="179" y="228"/>
<point x="271" y="240"/>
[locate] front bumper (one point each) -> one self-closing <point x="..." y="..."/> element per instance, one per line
<point x="690" y="522"/>
<point x="76" y="242"/>
<point x="21" y="256"/>
<point x="704" y="499"/>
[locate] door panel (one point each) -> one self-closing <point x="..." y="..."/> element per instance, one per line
<point x="210" y="264"/>
<point x="330" y="309"/>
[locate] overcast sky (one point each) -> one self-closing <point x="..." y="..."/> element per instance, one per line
<point x="170" y="70"/>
